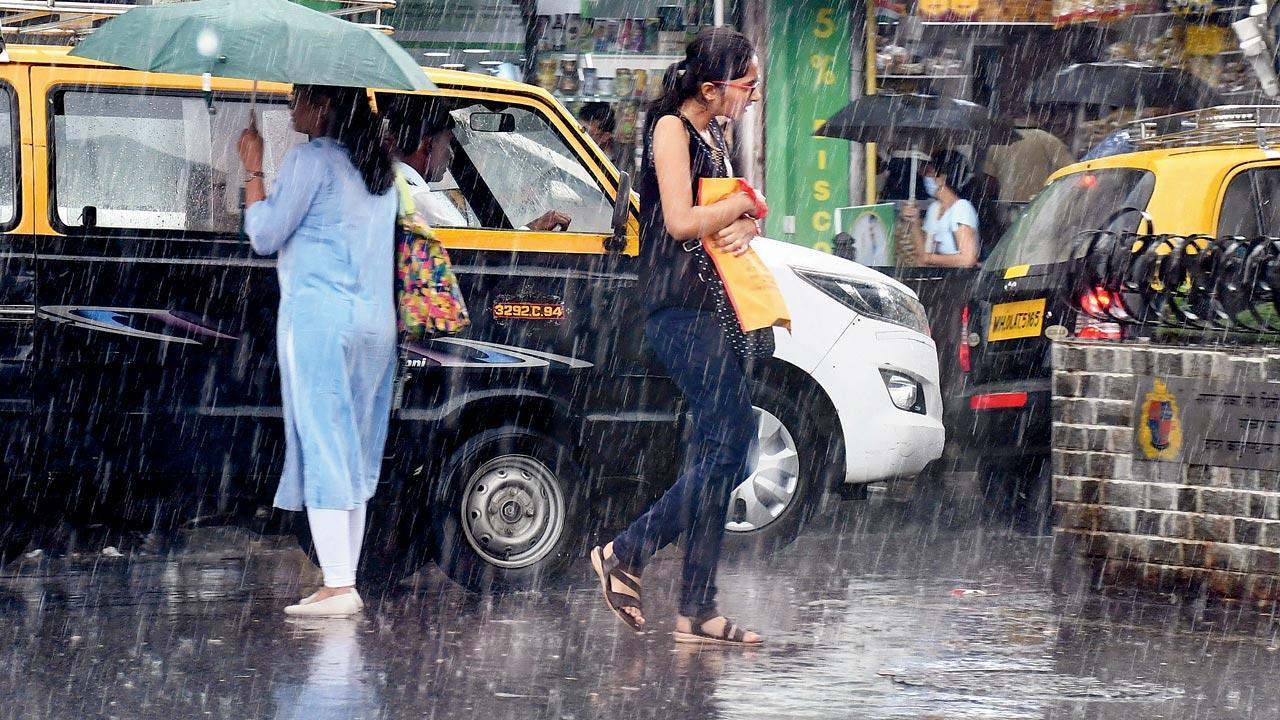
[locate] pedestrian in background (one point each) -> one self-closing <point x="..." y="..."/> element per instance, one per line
<point x="947" y="235"/>
<point x="719" y="77"/>
<point x="599" y="121"/>
<point x="331" y="217"/>
<point x="1021" y="167"/>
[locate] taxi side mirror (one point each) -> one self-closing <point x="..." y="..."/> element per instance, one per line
<point x="621" y="211"/>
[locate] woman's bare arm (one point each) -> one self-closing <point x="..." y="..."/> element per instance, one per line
<point x="686" y="221"/>
<point x="966" y="242"/>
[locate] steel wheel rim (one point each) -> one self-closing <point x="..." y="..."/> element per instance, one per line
<point x="513" y="511"/>
<point x="774" y="477"/>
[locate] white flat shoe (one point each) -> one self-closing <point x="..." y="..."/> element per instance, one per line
<point x="343" y="605"/>
<point x="312" y="598"/>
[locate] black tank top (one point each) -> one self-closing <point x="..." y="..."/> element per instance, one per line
<point x="669" y="275"/>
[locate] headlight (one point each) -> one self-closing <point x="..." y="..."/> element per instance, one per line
<point x="871" y="299"/>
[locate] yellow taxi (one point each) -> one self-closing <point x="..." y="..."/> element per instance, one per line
<point x="1208" y="172"/>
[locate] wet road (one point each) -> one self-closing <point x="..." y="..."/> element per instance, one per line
<point x="883" y="610"/>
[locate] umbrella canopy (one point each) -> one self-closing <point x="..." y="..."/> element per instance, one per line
<point x="268" y="40"/>
<point x="917" y="120"/>
<point x="1124" y="84"/>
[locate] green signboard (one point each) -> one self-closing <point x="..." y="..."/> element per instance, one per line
<point x="808" y="81"/>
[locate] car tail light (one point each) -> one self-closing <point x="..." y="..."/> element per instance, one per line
<point x="998" y="401"/>
<point x="1095" y="303"/>
<point x="962" y="347"/>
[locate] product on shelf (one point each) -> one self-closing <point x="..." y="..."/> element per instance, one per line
<point x="1067" y="12"/>
<point x="625" y="82"/>
<point x="568" y="84"/>
<point x="547" y="73"/>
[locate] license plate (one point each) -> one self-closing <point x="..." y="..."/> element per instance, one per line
<point x="1010" y="321"/>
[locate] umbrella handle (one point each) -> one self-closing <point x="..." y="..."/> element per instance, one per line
<point x="253" y="105"/>
<point x="206" y="86"/>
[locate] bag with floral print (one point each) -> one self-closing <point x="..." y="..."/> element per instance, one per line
<point x="430" y="301"/>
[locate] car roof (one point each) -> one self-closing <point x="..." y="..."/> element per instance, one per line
<point x="454" y="79"/>
<point x="1226" y="155"/>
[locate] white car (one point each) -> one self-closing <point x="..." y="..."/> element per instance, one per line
<point x="860" y="342"/>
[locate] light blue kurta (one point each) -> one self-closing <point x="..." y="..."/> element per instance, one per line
<point x="336" y="333"/>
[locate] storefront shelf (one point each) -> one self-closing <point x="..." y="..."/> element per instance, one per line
<point x="922" y="77"/>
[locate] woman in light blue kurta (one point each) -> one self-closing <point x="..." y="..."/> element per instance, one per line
<point x="331" y="217"/>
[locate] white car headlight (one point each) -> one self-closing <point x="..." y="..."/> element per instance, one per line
<point x="870" y="298"/>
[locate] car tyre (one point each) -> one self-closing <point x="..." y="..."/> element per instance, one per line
<point x="1018" y="491"/>
<point x="511" y="513"/>
<point x="792" y="442"/>
<point x="15" y="536"/>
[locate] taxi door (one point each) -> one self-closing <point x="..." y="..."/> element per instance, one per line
<point x="156" y="320"/>
<point x="556" y="312"/>
<point x="17" y="285"/>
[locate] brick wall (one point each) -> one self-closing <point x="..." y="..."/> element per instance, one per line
<point x="1192" y="531"/>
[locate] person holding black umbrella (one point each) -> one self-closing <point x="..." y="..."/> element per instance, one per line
<point x="947" y="235"/>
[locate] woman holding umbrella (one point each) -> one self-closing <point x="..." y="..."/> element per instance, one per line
<point x="331" y="216"/>
<point x="947" y="236"/>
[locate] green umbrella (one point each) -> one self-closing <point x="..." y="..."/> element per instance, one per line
<point x="267" y="40"/>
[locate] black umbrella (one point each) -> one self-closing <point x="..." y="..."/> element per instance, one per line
<point x="915" y="120"/>
<point x="1124" y="84"/>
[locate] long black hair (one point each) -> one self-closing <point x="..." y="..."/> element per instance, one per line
<point x="716" y="55"/>
<point x="352" y="122"/>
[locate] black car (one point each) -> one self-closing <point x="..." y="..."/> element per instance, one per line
<point x="1024" y="298"/>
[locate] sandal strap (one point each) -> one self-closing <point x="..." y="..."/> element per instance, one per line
<point x="626" y="587"/>
<point x="729" y="631"/>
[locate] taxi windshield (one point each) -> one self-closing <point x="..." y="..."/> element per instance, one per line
<point x="1045" y="233"/>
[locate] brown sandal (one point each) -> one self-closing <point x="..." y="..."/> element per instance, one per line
<point x="730" y="634"/>
<point x="621" y="588"/>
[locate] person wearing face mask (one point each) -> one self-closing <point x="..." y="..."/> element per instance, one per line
<point x="947" y="235"/>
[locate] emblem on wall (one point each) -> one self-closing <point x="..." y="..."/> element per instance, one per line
<point x="1160" y="424"/>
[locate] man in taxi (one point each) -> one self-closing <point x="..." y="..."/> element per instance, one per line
<point x="425" y="147"/>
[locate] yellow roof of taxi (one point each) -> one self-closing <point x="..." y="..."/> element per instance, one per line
<point x="1227" y="155"/>
<point x="58" y="55"/>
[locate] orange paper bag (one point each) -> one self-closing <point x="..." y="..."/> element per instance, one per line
<point x="749" y="284"/>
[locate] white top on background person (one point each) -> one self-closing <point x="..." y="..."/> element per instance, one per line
<point x="948" y="234"/>
<point x="434" y="206"/>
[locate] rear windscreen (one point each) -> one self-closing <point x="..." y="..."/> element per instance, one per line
<point x="1046" y="232"/>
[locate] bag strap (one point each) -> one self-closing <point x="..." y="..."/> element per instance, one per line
<point x="405" y="194"/>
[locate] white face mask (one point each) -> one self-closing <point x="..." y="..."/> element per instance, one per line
<point x="930" y="185"/>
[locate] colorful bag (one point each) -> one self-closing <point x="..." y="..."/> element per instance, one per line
<point x="430" y="301"/>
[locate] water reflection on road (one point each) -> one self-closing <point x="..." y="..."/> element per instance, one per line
<point x="881" y="611"/>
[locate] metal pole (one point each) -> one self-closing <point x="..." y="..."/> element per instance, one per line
<point x="718" y="9"/>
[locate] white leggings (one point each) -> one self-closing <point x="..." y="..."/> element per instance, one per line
<point x="337" y="535"/>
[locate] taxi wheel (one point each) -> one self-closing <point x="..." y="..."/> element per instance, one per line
<point x="1018" y="490"/>
<point x="15" y="535"/>
<point x="511" y="514"/>
<point x="786" y="479"/>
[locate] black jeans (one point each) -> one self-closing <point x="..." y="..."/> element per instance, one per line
<point x="692" y="346"/>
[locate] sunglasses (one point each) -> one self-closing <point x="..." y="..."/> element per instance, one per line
<point x="747" y="86"/>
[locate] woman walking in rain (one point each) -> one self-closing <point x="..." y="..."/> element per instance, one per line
<point x="718" y="77"/>
<point x="331" y="215"/>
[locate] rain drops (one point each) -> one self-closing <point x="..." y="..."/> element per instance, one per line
<point x="208" y="43"/>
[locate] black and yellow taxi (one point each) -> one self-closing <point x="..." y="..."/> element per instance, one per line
<point x="1194" y="173"/>
<point x="138" y="374"/>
